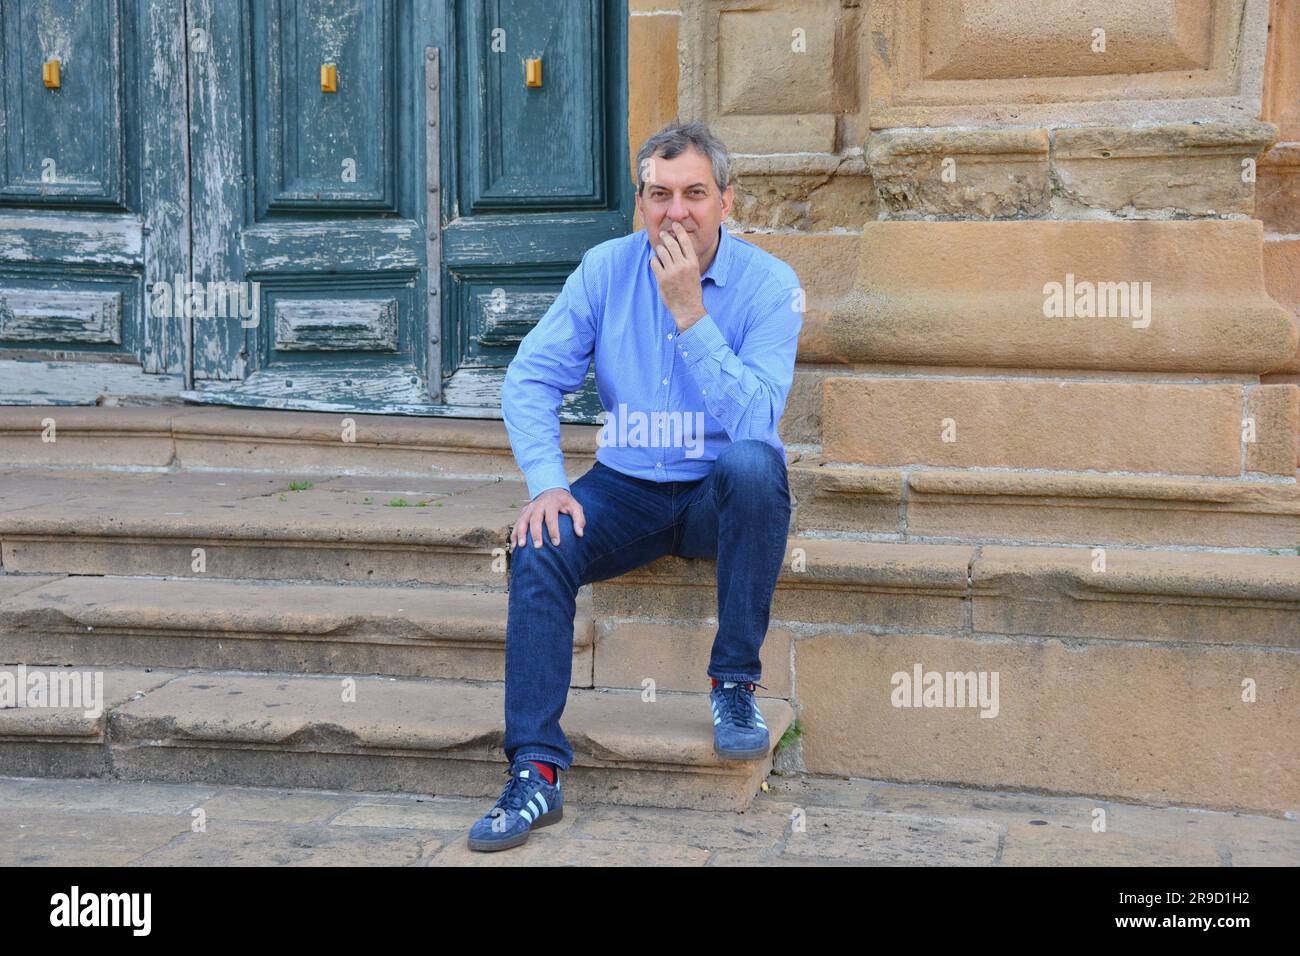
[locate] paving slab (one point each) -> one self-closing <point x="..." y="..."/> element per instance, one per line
<point x="833" y="822"/>
<point x="231" y="843"/>
<point x="36" y="837"/>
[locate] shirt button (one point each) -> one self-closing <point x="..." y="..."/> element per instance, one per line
<point x="659" y="464"/>
<point x="670" y="335"/>
<point x="665" y="381"/>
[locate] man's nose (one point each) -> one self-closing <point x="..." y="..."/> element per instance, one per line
<point x="677" y="212"/>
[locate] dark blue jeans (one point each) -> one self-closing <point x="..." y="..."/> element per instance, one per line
<point x="738" y="515"/>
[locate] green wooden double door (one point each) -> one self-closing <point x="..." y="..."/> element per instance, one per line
<point x="357" y="205"/>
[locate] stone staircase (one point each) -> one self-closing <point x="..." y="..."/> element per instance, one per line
<point x="266" y="610"/>
<point x="273" y="606"/>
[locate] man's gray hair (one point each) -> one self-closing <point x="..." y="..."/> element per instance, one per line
<point x="674" y="138"/>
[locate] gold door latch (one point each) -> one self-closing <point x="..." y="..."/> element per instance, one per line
<point x="329" y="78"/>
<point x="533" y="72"/>
<point x="50" y="74"/>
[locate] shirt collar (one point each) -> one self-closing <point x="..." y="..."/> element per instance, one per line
<point x="721" y="264"/>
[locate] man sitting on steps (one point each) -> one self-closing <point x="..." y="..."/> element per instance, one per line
<point x="686" y="323"/>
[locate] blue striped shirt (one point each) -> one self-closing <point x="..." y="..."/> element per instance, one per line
<point x="672" y="401"/>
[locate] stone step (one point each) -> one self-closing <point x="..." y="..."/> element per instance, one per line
<point x="65" y="741"/>
<point x="255" y="526"/>
<point x="270" y="440"/>
<point x="262" y="626"/>
<point x="417" y="735"/>
<point x="1217" y="597"/>
<point x="1137" y="427"/>
<point x="1100" y="650"/>
<point x="1049" y="508"/>
<point x="1163" y="677"/>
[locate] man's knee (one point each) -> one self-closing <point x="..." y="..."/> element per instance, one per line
<point x="565" y="554"/>
<point x="754" y="464"/>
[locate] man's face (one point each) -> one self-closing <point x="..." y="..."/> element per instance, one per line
<point x="682" y="190"/>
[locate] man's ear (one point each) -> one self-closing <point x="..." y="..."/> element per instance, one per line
<point x="728" y="197"/>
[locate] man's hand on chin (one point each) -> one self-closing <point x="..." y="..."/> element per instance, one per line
<point x="678" y="272"/>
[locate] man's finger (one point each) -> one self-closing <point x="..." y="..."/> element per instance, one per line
<point x="679" y="249"/>
<point x="553" y="524"/>
<point x="684" y="250"/>
<point x="666" y="246"/>
<point x="684" y="239"/>
<point x="536" y="527"/>
<point x="574" y="511"/>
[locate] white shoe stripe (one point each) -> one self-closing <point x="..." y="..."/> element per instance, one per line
<point x="526" y="815"/>
<point x="542" y="800"/>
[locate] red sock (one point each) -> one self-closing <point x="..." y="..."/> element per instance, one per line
<point x="714" y="683"/>
<point x="548" y="771"/>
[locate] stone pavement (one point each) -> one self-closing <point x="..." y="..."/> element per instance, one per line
<point x="800" y="821"/>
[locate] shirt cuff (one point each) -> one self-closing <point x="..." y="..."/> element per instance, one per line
<point x="701" y="339"/>
<point x="545" y="477"/>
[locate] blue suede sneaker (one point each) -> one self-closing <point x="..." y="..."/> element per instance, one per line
<point x="528" y="801"/>
<point x="739" y="732"/>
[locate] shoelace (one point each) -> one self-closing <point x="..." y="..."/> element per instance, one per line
<point x="517" y="792"/>
<point x="740" y="703"/>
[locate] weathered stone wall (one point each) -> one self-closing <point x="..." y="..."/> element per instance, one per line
<point x="1052" y="258"/>
<point x="1277" y="190"/>
<point x="847" y="112"/>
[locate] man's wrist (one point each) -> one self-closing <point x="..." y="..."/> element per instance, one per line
<point x="545" y="477"/>
<point x="700" y="340"/>
<point x="683" y="325"/>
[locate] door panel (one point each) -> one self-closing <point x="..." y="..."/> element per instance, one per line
<point x="540" y="176"/>
<point x="317" y="219"/>
<point x="62" y="144"/>
<point x="93" y="211"/>
<point x="326" y="152"/>
<point x="541" y="147"/>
